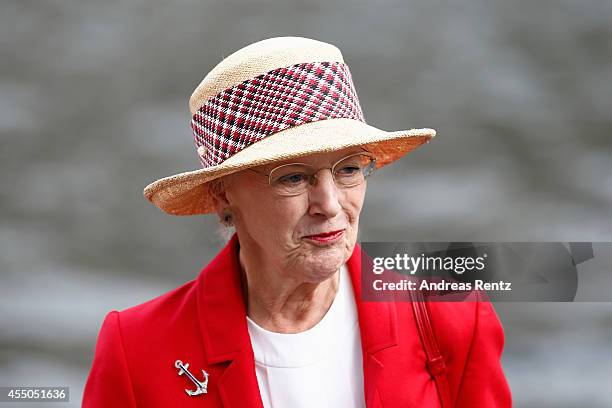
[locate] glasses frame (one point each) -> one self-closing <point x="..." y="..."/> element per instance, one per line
<point x="313" y="176"/>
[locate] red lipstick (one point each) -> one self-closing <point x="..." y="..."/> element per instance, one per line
<point x="326" y="237"/>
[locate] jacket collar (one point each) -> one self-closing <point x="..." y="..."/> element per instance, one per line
<point x="222" y="317"/>
<point x="377" y="326"/>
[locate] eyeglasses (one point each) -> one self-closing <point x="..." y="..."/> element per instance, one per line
<point x="294" y="178"/>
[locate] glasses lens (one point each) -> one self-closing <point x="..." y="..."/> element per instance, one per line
<point x="353" y="170"/>
<point x="294" y="179"/>
<point x="291" y="179"/>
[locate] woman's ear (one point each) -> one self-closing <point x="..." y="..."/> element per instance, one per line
<point x="218" y="190"/>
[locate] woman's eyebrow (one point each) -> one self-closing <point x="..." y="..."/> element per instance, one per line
<point x="301" y="160"/>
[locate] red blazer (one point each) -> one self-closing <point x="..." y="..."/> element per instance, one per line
<point x="203" y="323"/>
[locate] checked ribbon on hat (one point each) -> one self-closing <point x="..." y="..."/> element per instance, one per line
<point x="268" y="103"/>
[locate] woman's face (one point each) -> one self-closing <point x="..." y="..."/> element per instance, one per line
<point x="281" y="230"/>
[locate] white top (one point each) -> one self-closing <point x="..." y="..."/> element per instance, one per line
<point x="319" y="367"/>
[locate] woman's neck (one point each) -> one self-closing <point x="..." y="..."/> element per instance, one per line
<point x="282" y="304"/>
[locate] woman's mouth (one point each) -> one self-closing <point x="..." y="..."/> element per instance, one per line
<point x="326" y="237"/>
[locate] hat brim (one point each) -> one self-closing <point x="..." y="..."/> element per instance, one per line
<point x="187" y="193"/>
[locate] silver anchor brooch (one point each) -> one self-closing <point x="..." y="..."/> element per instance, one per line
<point x="202" y="386"/>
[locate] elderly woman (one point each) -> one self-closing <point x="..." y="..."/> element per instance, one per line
<point x="276" y="319"/>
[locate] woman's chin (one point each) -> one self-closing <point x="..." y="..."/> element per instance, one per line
<point x="322" y="266"/>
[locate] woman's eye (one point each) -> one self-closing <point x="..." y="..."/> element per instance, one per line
<point x="294" y="178"/>
<point x="348" y="170"/>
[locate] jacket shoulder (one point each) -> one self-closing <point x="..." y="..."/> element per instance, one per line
<point x="471" y="339"/>
<point x="457" y="323"/>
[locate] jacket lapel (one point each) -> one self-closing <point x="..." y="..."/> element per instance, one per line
<point x="377" y="325"/>
<point x="222" y="316"/>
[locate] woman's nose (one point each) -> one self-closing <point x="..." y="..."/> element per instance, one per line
<point x="323" y="195"/>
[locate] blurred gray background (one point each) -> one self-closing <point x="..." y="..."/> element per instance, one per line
<point x="94" y="106"/>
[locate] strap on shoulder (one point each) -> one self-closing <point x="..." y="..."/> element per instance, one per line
<point x="435" y="362"/>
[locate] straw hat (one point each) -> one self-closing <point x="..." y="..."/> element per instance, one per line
<point x="272" y="100"/>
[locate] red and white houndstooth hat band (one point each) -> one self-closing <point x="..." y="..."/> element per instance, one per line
<point x="273" y="100"/>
